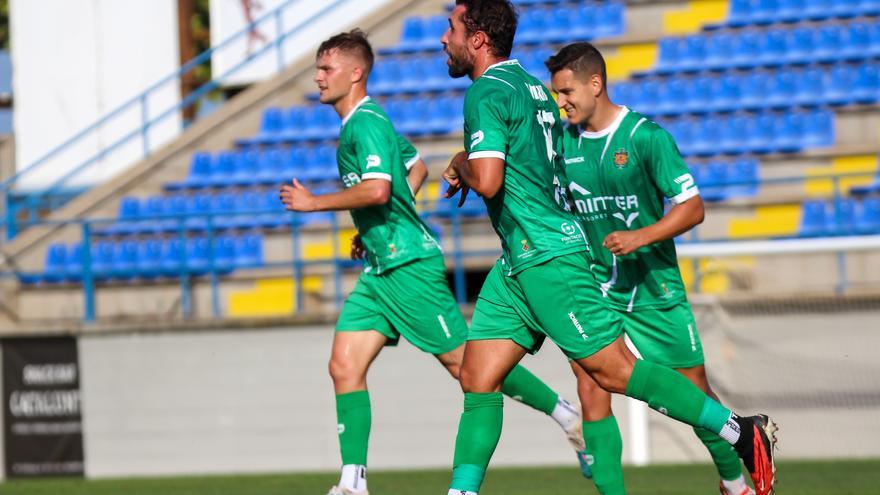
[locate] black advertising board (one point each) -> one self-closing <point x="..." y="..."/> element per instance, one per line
<point x="41" y="407"/>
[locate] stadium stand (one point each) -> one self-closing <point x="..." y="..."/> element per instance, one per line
<point x="765" y="85"/>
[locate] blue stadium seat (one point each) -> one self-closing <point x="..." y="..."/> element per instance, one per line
<point x="858" y="41"/>
<point x="532" y="24"/>
<point x="129" y="213"/>
<point x="648" y="96"/>
<point x="790" y="129"/>
<point x="224" y="254"/>
<point x="764" y="11"/>
<point x="707" y="134"/>
<point x="671" y="52"/>
<point x="149" y="258"/>
<point x="829" y="44"/>
<point x="746" y="50"/>
<point x="582" y="26"/>
<point x="868" y="217"/>
<point x="199" y="172"/>
<point x="390" y="74"/>
<point x="762" y="134"/>
<point x="609" y="20"/>
<point x="869" y="7"/>
<point x="411" y="36"/>
<point x="246" y="203"/>
<point x="719" y="51"/>
<point x="197" y="255"/>
<point x="755" y="87"/>
<point x="800" y="44"/>
<point x="275" y="215"/>
<point x="820" y="132"/>
<point x="838" y="85"/>
<point x="172" y="256"/>
<point x="247" y="172"/>
<point x="222" y="169"/>
<point x="700" y="96"/>
<point x="693" y="54"/>
<point x="867" y="86"/>
<point x="773" y="48"/>
<point x="809" y="89"/>
<point x="733" y="134"/>
<point x="845" y="8"/>
<point x="102" y="260"/>
<point x="223" y="204"/>
<point x="437" y="76"/>
<point x="781" y="86"/>
<point x="843" y="216"/>
<point x="55" y="266"/>
<point x="740" y="13"/>
<point x="123" y="265"/>
<point x="726" y="93"/>
<point x="814" y="219"/>
<point x="293" y="123"/>
<point x="714" y="177"/>
<point x="270" y="128"/>
<point x="744" y="176"/>
<point x="817" y="10"/>
<point x="73" y="268"/>
<point x="249" y="251"/>
<point x="790" y="10"/>
<point x="197" y="207"/>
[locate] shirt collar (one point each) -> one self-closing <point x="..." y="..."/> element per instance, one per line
<point x="353" y="110"/>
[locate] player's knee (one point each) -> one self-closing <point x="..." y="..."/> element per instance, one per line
<point x="473" y="381"/>
<point x="342" y="369"/>
<point x="611" y="380"/>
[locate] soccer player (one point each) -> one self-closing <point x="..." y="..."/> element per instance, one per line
<point x="403" y="289"/>
<point x="539" y="287"/>
<point x="618" y="166"/>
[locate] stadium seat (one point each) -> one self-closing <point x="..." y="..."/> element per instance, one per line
<point x="755" y="90"/>
<point x="149" y="258"/>
<point x="838" y="85"/>
<point x="746" y="50"/>
<point x="829" y="44"/>
<point x="726" y="93"/>
<point x="719" y="51"/>
<point x="814" y="219"/>
<point x="743" y="176"/>
<point x="609" y="20"/>
<point x="199" y="173"/>
<point x="54" y="268"/>
<point x="270" y="128"/>
<point x="820" y="132"/>
<point x="761" y="137"/>
<point x="714" y="176"/>
<point x="123" y="265"/>
<point x="248" y="251"/>
<point x="843" y="216"/>
<point x="868" y="217"/>
<point x="809" y="87"/>
<point x="740" y="13"/>
<point x="800" y="44"/>
<point x="867" y="84"/>
<point x="733" y="134"/>
<point x="790" y="129"/>
<point x="781" y="86"/>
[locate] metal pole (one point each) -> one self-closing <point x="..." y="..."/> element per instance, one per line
<point x="88" y="273"/>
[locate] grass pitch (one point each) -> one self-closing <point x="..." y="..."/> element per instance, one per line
<point x="796" y="478"/>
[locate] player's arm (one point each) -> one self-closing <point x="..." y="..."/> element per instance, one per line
<point x="417" y="175"/>
<point x="481" y="166"/>
<point x="678" y="220"/>
<point x="673" y="178"/>
<point x="370" y="192"/>
<point x="416" y="170"/>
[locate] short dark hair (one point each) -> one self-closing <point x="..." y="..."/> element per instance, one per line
<point x="354" y="41"/>
<point x="581" y="58"/>
<point x="496" y="18"/>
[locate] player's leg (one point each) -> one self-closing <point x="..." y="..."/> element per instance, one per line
<point x="599" y="348"/>
<point x="523" y="386"/>
<point x="669" y="337"/>
<point x="617" y="370"/>
<point x="361" y="332"/>
<point x="723" y="456"/>
<point x="601" y="458"/>
<point x="486" y="363"/>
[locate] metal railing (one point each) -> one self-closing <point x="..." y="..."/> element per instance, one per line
<point x="338" y="264"/>
<point x="56" y="194"/>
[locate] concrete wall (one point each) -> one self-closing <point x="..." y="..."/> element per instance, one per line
<point x="261" y="400"/>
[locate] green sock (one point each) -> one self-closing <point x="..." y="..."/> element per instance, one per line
<point x="604" y="452"/>
<point x="726" y="461"/>
<point x="675" y="396"/>
<point x="354" y="416"/>
<point x="527" y="388"/>
<point x="478" y="434"/>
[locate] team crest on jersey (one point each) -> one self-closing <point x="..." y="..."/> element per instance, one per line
<point x="621" y="158"/>
<point x="392" y="248"/>
<point x="525" y="245"/>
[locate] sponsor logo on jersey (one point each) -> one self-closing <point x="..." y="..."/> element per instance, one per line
<point x="392" y="248"/>
<point x="621" y="158"/>
<point x="628" y="220"/>
<point x="525" y="245"/>
<point x="340" y="428"/>
<point x="477" y="138"/>
<point x="577" y="159"/>
<point x="577" y="325"/>
<point x="350" y="179"/>
<point x="567" y="228"/>
<point x="373" y="161"/>
<point x="598" y="206"/>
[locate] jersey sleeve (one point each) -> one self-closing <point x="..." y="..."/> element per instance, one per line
<point x="667" y="168"/>
<point x="374" y="146"/>
<point x="485" y="131"/>
<point x="408" y="153"/>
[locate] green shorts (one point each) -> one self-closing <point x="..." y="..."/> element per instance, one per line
<point x="666" y="336"/>
<point x="412" y="300"/>
<point x="559" y="299"/>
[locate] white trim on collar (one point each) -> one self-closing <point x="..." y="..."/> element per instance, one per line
<point x="610" y="129"/>
<point x="353" y="110"/>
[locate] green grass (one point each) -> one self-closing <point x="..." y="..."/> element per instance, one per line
<point x="797" y="478"/>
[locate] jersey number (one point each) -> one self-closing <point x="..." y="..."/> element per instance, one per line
<point x="686" y="181"/>
<point x="546" y="121"/>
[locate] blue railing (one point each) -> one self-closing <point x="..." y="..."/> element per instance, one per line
<point x="32" y="202"/>
<point x="339" y="264"/>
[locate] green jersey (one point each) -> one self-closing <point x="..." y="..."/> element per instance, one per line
<point x="509" y="114"/>
<point x="369" y="148"/>
<point x="617" y="180"/>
